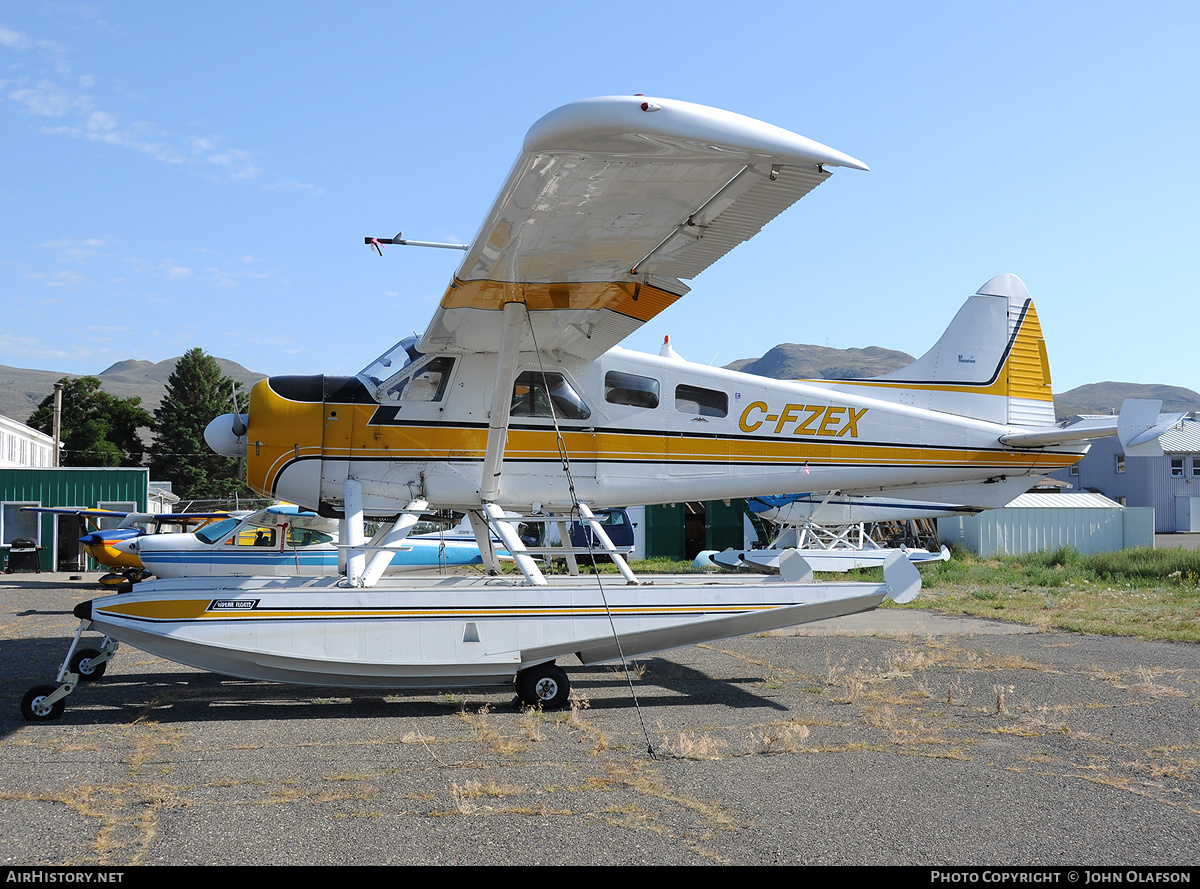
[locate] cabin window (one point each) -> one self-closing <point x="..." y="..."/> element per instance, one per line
<point x="623" y="388"/>
<point x="427" y="384"/>
<point x="14" y="523"/>
<point x="535" y="392"/>
<point x="705" y="402"/>
<point x="1176" y="467"/>
<point x="1120" y="463"/>
<point x="307" y="537"/>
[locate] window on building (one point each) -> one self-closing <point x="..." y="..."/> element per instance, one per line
<point x="14" y="523"/>
<point x="1120" y="463"/>
<point x="534" y="392"/>
<point x="1075" y="469"/>
<point x="623" y="388"/>
<point x="705" y="402"/>
<point x="1196" y="467"/>
<point x="115" y="506"/>
<point x="1176" y="467"/>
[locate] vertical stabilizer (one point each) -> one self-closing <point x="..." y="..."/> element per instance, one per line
<point x="990" y="363"/>
<point x="1026" y="367"/>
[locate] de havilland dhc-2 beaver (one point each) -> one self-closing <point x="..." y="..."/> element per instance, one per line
<point x="517" y="397"/>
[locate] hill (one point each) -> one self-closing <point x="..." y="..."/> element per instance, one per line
<point x="21" y="390"/>
<point x="1106" y="398"/>
<point x="797" y="361"/>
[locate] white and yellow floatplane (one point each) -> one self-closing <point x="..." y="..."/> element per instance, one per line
<point x="517" y="399"/>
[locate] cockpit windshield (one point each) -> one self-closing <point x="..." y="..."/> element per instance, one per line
<point x="213" y="533"/>
<point x="390" y="362"/>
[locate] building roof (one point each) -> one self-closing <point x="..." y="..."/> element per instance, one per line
<point x="1081" y="500"/>
<point x="1185" y="437"/>
<point x="18" y="428"/>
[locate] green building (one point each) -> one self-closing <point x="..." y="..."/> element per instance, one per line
<point x="120" y="488"/>
<point x="682" y="530"/>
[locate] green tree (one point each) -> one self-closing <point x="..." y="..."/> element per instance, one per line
<point x="98" y="429"/>
<point x="197" y="392"/>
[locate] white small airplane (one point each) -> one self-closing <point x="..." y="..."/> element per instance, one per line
<point x="111" y="527"/>
<point x="518" y="397"/>
<point x="283" y="541"/>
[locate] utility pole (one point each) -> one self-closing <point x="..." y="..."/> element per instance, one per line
<point x="58" y="391"/>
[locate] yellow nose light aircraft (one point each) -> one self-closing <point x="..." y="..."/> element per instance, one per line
<point x="517" y="397"/>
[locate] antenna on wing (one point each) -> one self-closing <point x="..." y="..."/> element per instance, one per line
<point x="377" y="244"/>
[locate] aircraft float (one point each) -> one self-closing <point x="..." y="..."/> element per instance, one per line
<point x="518" y="397"/>
<point x="839" y="541"/>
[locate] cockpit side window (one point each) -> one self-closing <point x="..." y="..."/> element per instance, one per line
<point x="256" y="536"/>
<point x="534" y="392"/>
<point x="307" y="537"/>
<point x="427" y="383"/>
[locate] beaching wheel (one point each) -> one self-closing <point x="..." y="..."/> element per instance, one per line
<point x="81" y="663"/>
<point x="34" y="707"/>
<point x="545" y="686"/>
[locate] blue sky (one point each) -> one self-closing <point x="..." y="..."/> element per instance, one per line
<point x="178" y="175"/>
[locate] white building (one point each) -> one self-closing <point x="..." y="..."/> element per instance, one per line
<point x="24" y="448"/>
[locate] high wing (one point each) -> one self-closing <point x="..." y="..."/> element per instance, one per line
<point x="86" y="512"/>
<point x="94" y="515"/>
<point x="611" y="203"/>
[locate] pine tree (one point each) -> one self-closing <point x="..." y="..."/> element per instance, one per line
<point x="98" y="429"/>
<point x="197" y="392"/>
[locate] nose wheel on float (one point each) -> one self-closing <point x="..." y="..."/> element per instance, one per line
<point x="46" y="702"/>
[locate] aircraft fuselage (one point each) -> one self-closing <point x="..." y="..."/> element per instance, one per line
<point x="637" y="428"/>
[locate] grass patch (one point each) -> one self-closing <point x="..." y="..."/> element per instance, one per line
<point x="1149" y="593"/>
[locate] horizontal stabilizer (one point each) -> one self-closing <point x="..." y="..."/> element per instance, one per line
<point x="1138" y="427"/>
<point x="1140" y="424"/>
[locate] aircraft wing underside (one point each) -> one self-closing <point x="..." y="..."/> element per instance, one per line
<point x="611" y="204"/>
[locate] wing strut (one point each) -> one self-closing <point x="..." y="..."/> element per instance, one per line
<point x="391" y="541"/>
<point x="502" y="525"/>
<point x="511" y="334"/>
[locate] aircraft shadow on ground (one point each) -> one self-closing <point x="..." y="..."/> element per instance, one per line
<point x="194" y="695"/>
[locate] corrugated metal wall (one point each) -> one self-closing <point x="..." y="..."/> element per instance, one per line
<point x="1017" y="531"/>
<point x="1146" y="481"/>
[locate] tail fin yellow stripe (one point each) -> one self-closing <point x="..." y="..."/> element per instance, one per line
<point x="1027" y="367"/>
